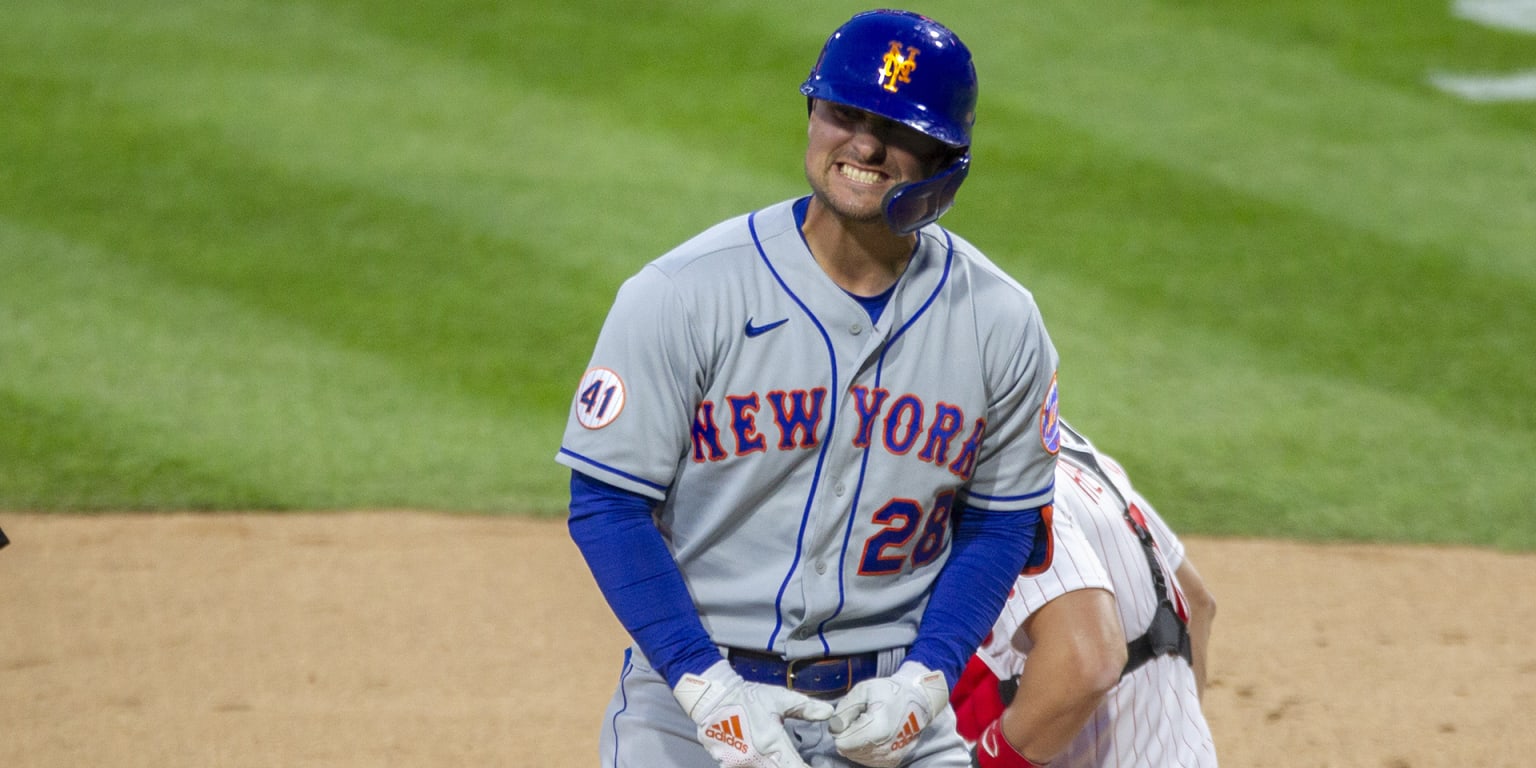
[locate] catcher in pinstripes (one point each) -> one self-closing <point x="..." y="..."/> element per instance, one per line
<point x="1099" y="653"/>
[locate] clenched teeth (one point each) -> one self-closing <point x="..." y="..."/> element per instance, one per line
<point x="861" y="176"/>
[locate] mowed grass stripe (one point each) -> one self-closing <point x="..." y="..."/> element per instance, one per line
<point x="192" y="379"/>
<point x="534" y="192"/>
<point x="1283" y="124"/>
<point x="257" y="222"/>
<point x="1310" y="293"/>
<point x="368" y="272"/>
<point x="1268" y="397"/>
<point x="66" y="453"/>
<point x="1225" y="441"/>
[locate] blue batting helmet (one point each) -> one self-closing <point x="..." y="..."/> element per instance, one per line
<point x="901" y="66"/>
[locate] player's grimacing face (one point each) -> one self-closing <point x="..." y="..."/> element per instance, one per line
<point x="852" y="158"/>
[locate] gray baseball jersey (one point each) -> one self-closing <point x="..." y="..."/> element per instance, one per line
<point x="807" y="461"/>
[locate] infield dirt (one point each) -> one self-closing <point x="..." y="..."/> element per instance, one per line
<point x="413" y="639"/>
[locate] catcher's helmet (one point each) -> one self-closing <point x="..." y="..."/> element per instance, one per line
<point x="913" y="70"/>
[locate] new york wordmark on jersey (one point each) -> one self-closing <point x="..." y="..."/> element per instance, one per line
<point x="903" y="422"/>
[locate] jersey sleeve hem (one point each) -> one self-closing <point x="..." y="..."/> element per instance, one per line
<point x="611" y="475"/>
<point x="1018" y="503"/>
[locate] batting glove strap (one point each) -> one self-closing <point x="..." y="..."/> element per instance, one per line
<point x="879" y="722"/>
<point x="994" y="751"/>
<point x="741" y="724"/>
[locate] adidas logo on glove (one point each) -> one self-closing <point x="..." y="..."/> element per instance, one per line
<point x="728" y="731"/>
<point x="909" y="733"/>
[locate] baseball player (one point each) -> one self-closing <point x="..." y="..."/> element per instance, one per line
<point x="814" y="442"/>
<point x="1099" y="653"/>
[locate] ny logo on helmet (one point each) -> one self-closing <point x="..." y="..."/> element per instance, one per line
<point x="898" y="68"/>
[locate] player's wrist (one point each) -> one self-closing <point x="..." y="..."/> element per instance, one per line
<point x="700" y="693"/>
<point x="696" y="661"/>
<point x="994" y="751"/>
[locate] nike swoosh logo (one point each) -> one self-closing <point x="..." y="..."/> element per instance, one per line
<point x="758" y="330"/>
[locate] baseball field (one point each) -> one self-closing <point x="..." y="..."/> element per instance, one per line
<point x="294" y="295"/>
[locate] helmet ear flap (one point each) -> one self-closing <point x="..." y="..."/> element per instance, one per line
<point x="911" y="207"/>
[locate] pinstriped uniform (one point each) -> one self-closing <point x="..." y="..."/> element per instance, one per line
<point x="1152" y="717"/>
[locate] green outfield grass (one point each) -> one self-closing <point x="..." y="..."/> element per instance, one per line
<point x="339" y="254"/>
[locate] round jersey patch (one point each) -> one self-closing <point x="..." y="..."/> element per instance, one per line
<point x="1050" y="423"/>
<point x="599" y="398"/>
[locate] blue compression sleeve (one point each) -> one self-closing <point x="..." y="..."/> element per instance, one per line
<point x="990" y="549"/>
<point x="637" y="575"/>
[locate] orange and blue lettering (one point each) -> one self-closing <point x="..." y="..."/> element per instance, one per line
<point x="706" y="436"/>
<point x="798" y="416"/>
<point x="906" y="410"/>
<point x="947" y="421"/>
<point x="868" y="409"/>
<point x="744" y="424"/>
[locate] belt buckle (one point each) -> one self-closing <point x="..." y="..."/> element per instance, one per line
<point x="789" y="672"/>
<point x="789" y="677"/>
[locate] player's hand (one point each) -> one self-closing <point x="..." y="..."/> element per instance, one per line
<point x="878" y="722"/>
<point x="742" y="723"/>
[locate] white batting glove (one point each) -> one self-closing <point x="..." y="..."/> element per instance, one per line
<point x="878" y="721"/>
<point x="742" y="723"/>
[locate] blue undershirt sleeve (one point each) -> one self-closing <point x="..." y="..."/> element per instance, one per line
<point x="635" y="571"/>
<point x="989" y="551"/>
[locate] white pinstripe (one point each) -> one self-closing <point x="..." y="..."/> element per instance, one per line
<point x="1152" y="717"/>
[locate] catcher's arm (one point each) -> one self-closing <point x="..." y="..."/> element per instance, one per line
<point x="1202" y="611"/>
<point x="1079" y="651"/>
